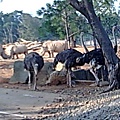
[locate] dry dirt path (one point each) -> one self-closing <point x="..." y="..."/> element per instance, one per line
<point x="18" y="104"/>
<point x="65" y="104"/>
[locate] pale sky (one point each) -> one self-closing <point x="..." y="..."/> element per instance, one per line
<point x="117" y="3"/>
<point x="28" y="6"/>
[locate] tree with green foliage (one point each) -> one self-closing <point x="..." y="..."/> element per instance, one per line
<point x="29" y="27"/>
<point x="54" y="19"/>
<point x="1" y="27"/>
<point x="18" y="25"/>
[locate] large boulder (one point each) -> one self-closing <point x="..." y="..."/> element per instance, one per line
<point x="19" y="75"/>
<point x="44" y="74"/>
<point x="57" y="77"/>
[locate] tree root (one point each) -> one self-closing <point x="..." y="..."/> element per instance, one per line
<point x="114" y="76"/>
<point x="110" y="88"/>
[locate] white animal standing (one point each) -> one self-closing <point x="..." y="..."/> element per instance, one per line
<point x="53" y="46"/>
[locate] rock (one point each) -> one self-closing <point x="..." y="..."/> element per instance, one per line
<point x="19" y="75"/>
<point x="44" y="75"/>
<point x="57" y="77"/>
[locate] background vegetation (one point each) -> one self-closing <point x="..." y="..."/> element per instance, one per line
<point x="54" y="21"/>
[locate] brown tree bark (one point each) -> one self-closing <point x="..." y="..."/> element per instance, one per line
<point x="86" y="8"/>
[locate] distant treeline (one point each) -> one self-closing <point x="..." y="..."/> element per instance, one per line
<point x="56" y="22"/>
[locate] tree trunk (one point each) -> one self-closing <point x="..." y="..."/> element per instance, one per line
<point x="85" y="7"/>
<point x="67" y="28"/>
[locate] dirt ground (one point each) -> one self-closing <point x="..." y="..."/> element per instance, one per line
<point x="83" y="90"/>
<point x="6" y="71"/>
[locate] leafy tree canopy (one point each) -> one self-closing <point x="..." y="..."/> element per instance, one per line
<point x="18" y="25"/>
<point x="54" y="16"/>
